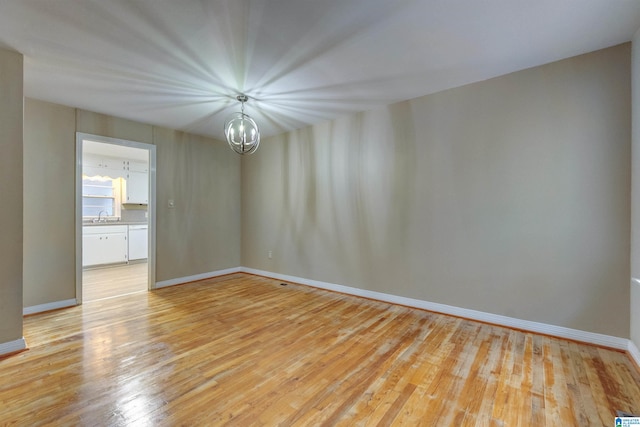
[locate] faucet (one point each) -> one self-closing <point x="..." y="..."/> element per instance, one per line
<point x="100" y="214"/>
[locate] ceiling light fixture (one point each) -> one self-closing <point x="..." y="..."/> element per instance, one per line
<point x="241" y="131"/>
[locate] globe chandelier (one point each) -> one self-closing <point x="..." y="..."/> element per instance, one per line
<point x="241" y="131"/>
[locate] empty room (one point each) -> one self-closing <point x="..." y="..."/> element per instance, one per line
<point x="336" y="212"/>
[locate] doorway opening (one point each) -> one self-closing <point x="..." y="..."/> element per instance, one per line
<point x="115" y="217"/>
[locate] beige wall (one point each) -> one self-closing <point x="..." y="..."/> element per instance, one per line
<point x="112" y="127"/>
<point x="49" y="200"/>
<point x="199" y="173"/>
<point x="202" y="233"/>
<point x="11" y="154"/>
<point x="509" y="196"/>
<point x="635" y="194"/>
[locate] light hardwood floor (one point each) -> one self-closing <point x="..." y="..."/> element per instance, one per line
<point x="108" y="282"/>
<point x="245" y="350"/>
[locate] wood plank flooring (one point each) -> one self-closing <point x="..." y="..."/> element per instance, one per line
<point x="108" y="282"/>
<point x="245" y="350"/>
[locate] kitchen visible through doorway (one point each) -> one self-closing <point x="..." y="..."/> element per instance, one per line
<point x="114" y="194"/>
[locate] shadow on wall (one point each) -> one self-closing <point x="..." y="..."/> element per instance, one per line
<point x="348" y="190"/>
<point x="518" y="188"/>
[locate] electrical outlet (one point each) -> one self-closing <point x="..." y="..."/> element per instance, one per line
<point x="270" y="254"/>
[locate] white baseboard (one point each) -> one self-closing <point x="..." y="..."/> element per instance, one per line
<point x="13" y="346"/>
<point x="49" y="306"/>
<point x="511" y="322"/>
<point x="634" y="352"/>
<point x="182" y="280"/>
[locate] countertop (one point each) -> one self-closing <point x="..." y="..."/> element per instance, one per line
<point x="91" y="223"/>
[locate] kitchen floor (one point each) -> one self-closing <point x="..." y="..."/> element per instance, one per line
<point x="108" y="282"/>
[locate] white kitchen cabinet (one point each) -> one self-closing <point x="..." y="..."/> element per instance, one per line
<point x="136" y="188"/>
<point x="135" y="175"/>
<point x="91" y="171"/>
<point x="137" y="166"/>
<point x="106" y="244"/>
<point x="92" y="160"/>
<point x="95" y="165"/>
<point x="138" y="242"/>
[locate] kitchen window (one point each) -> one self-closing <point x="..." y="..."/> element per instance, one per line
<point x="100" y="196"/>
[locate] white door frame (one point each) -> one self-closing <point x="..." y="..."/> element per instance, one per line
<point x="151" y="208"/>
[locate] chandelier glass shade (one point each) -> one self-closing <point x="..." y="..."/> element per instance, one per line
<point x="241" y="131"/>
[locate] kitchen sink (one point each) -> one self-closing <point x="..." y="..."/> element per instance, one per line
<point x="101" y="221"/>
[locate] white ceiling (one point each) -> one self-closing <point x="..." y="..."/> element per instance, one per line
<point x="180" y="64"/>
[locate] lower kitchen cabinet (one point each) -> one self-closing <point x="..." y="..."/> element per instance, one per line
<point x="104" y="245"/>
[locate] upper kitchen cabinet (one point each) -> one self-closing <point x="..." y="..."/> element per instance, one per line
<point x="97" y="165"/>
<point x="95" y="161"/>
<point x="136" y="166"/>
<point x="134" y="174"/>
<point x="135" y="188"/>
<point x="136" y="183"/>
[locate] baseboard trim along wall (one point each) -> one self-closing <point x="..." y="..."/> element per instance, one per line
<point x="194" y="278"/>
<point x="634" y="352"/>
<point x="525" y="325"/>
<point x="13" y="346"/>
<point x="49" y="306"/>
